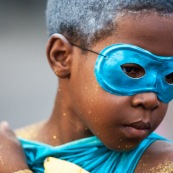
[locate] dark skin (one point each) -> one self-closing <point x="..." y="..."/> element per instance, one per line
<point x="12" y="157"/>
<point x="86" y="109"/>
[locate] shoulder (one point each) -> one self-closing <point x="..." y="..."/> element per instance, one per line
<point x="157" y="158"/>
<point x="36" y="132"/>
<point x="30" y="132"/>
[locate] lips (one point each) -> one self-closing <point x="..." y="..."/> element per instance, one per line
<point x="138" y="129"/>
<point x="140" y="125"/>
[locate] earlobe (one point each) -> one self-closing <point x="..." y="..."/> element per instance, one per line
<point x="59" y="52"/>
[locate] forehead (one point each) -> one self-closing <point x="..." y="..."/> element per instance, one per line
<point x="149" y="31"/>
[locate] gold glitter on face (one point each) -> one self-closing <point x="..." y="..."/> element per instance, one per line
<point x="54" y="137"/>
<point x="1" y="161"/>
<point x="89" y="112"/>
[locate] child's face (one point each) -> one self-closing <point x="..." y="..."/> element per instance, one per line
<point x="121" y="122"/>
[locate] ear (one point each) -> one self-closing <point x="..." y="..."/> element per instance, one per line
<point x="59" y="52"/>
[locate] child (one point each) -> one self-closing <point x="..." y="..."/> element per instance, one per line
<point x="114" y="63"/>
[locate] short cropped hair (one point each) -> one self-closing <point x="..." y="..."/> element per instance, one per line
<point x="88" y="21"/>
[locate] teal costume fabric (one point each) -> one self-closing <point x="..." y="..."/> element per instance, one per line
<point x="89" y="153"/>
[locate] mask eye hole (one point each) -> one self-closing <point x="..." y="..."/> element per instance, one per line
<point x="133" y="70"/>
<point x="169" y="78"/>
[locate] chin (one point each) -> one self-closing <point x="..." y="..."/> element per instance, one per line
<point x="124" y="146"/>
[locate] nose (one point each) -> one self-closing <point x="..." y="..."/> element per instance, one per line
<point x="147" y="101"/>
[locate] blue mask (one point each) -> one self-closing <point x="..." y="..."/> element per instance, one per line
<point x="126" y="70"/>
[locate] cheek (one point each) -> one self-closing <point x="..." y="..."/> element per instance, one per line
<point x="94" y="105"/>
<point x="103" y="115"/>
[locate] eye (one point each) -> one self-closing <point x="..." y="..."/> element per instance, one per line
<point x="169" y="78"/>
<point x="133" y="70"/>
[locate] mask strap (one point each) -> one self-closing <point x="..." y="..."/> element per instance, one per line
<point x="85" y="49"/>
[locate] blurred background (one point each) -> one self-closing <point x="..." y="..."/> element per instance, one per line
<point x="27" y="84"/>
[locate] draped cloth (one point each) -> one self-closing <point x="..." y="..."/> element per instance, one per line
<point x="89" y="153"/>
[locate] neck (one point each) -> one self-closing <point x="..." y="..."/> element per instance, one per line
<point x="64" y="123"/>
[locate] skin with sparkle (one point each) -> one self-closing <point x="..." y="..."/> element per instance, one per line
<point x="86" y="109"/>
<point x="12" y="157"/>
<point x="165" y="167"/>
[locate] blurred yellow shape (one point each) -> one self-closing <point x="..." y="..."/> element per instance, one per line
<point x="53" y="165"/>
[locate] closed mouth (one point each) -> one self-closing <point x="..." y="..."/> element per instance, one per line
<point x="140" y="125"/>
<point x="137" y="130"/>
